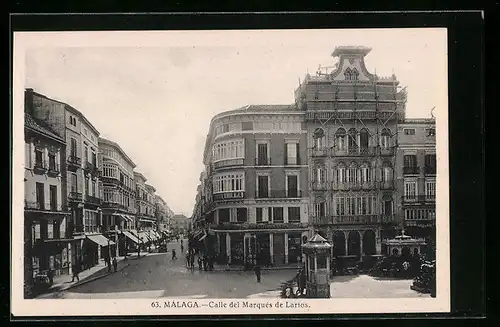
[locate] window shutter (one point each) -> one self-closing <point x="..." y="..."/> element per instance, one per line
<point x="298" y="154"/>
<point x="286" y="153"/>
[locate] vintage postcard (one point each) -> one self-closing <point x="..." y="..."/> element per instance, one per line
<point x="230" y="172"/>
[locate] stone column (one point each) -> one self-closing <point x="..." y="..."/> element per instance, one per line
<point x="228" y="247"/>
<point x="361" y="233"/>
<point x="286" y="248"/>
<point x="346" y="238"/>
<point x="271" y="247"/>
<point x="378" y="242"/>
<point x="285" y="214"/>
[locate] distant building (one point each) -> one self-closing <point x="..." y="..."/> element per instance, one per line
<point x="416" y="177"/>
<point x="145" y="203"/>
<point x="46" y="216"/>
<point x="163" y="214"/>
<point x="180" y="224"/>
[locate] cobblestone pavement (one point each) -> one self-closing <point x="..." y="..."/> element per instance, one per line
<point x="158" y="276"/>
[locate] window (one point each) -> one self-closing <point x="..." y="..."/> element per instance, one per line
<point x="388" y="207"/>
<point x="340" y="138"/>
<point x="351" y="141"/>
<point x="38" y="158"/>
<point x="278" y="215"/>
<point x="87" y="186"/>
<point x="73" y="147"/>
<point x="340" y="201"/>
<point x="320" y="175"/>
<point x="73" y="182"/>
<point x="228" y="182"/>
<point x="52" y="162"/>
<point x="409" y="131"/>
<point x="262" y="158"/>
<point x="430" y="189"/>
<point x="365" y="174"/>
<point x="320" y="208"/>
<point x="341" y="175"/>
<point x="258" y="215"/>
<point x="86" y="154"/>
<point x="53" y="197"/>
<point x="93" y="188"/>
<point x="385" y="139"/>
<point x="94" y="159"/>
<point x="410" y="161"/>
<point x="363" y="139"/>
<point x="410" y="190"/>
<point x="292" y="186"/>
<point x="293" y="214"/>
<point x="291" y="153"/>
<point x="352" y="175"/>
<point x="40" y="195"/>
<point x="263" y="186"/>
<point x="430" y="164"/>
<point x="228" y="150"/>
<point x="223" y="215"/>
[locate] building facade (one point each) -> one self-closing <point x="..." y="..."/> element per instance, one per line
<point x="163" y="214"/>
<point x="180" y="224"/>
<point x="46" y="241"/>
<point x="253" y="196"/>
<point x="416" y="177"/>
<point x="81" y="169"/>
<point x="118" y="206"/>
<point x="145" y="203"/>
<point x="352" y="117"/>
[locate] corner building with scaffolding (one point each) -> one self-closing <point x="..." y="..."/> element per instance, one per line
<point x="351" y="117"/>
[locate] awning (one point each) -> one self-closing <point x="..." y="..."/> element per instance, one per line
<point x="144" y="237"/>
<point x="131" y="237"/>
<point x="153" y="235"/>
<point x="100" y="240"/>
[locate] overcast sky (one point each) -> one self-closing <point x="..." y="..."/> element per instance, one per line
<point x="155" y="93"/>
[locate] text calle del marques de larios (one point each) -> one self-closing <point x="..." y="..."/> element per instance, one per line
<point x="229" y="304"/>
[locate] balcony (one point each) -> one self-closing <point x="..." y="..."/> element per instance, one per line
<point x="323" y="152"/>
<point x="41" y="206"/>
<point x="430" y="170"/>
<point x="259" y="225"/>
<point x="229" y="195"/>
<point x="390" y="151"/>
<point x="292" y="161"/>
<point x="418" y="199"/>
<point x="320" y="186"/>
<point x="74" y="229"/>
<point x="263" y="161"/>
<point x="111" y="180"/>
<point x="75" y="196"/>
<point x="279" y="194"/>
<point x="228" y="163"/>
<point x="40" y="168"/>
<point x="387" y="185"/>
<point x="113" y="205"/>
<point x="54" y="170"/>
<point x="387" y="219"/>
<point x="354" y="219"/>
<point x="355" y="185"/>
<point x="92" y="199"/>
<point x="410" y="170"/>
<point x="74" y="162"/>
<point x="91" y="168"/>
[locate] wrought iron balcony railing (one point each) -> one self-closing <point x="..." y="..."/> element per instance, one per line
<point x="278" y="194"/>
<point x="75" y="196"/>
<point x="92" y="199"/>
<point x="258" y="225"/>
<point x="74" y="161"/>
<point x="418" y="198"/>
<point x="263" y="161"/>
<point x="229" y="195"/>
<point x="346" y="219"/>
<point x="410" y="170"/>
<point x="292" y="161"/>
<point x="430" y="170"/>
<point x="40" y="168"/>
<point x="54" y="170"/>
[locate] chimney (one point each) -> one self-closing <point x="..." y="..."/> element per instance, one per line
<point x="28" y="101"/>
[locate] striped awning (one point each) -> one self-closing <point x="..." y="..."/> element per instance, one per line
<point x="131" y="237"/>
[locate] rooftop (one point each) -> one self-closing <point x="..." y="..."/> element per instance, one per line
<point x="351" y="49"/>
<point x="40" y="127"/>
<point x="117" y="146"/>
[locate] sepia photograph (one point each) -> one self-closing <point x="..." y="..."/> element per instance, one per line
<point x="230" y="172"/>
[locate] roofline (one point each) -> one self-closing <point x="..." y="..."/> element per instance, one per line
<point x="116" y="145"/>
<point x="138" y="174"/>
<point x="150" y="186"/>
<point x="67" y="106"/>
<point x="423" y="121"/>
<point x="46" y="135"/>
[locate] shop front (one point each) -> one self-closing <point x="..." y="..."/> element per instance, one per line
<point x="237" y="248"/>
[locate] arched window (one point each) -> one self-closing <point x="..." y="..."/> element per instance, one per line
<point x="319" y="138"/>
<point x="348" y="74"/>
<point x="363" y="140"/>
<point x="385" y="139"/>
<point x="352" y="173"/>
<point x="365" y="173"/>
<point x="341" y="174"/>
<point x="354" y="74"/>
<point x="340" y="136"/>
<point x="320" y="207"/>
<point x="387" y="172"/>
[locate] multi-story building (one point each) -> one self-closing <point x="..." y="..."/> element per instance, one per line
<point x="253" y="197"/>
<point x="163" y="214"/>
<point x="46" y="243"/>
<point x="145" y="203"/>
<point x="118" y="200"/>
<point x="416" y="177"/>
<point x="80" y="166"/>
<point x="180" y="224"/>
<point x="351" y="117"/>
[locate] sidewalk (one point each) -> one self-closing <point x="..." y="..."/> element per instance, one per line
<point x="63" y="282"/>
<point x="242" y="268"/>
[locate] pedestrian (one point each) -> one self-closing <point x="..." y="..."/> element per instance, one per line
<point x="108" y="263"/>
<point x="200" y="263"/>
<point x="302" y="281"/>
<point x="257" y="272"/>
<point x="76" y="270"/>
<point x="205" y="263"/>
<point x="115" y="264"/>
<point x="174" y="255"/>
<point x="191" y="260"/>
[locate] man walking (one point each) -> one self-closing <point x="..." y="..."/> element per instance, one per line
<point x="257" y="272"/>
<point x="75" y="269"/>
<point x="115" y="264"/>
